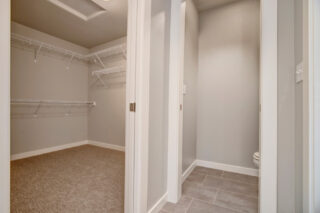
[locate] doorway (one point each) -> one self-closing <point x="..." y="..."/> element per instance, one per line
<point x="268" y="113"/>
<point x="132" y="127"/>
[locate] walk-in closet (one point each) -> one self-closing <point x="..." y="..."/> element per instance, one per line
<point x="68" y="95"/>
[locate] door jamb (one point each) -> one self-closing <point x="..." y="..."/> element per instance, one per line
<point x="311" y="106"/>
<point x="137" y="123"/>
<point x="177" y="28"/>
<point x="5" y="106"/>
<point x="269" y="106"/>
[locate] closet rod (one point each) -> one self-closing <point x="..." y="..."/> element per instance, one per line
<point x="53" y="102"/>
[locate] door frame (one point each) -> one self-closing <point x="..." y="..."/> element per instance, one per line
<point x="311" y="106"/>
<point x="137" y="119"/>
<point x="5" y="106"/>
<point x="268" y="101"/>
<point x="136" y="164"/>
<point x="175" y="111"/>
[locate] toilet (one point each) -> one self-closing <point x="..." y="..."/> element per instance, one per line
<point x="256" y="159"/>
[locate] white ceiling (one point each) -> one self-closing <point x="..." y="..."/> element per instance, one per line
<point x="209" y="4"/>
<point x="79" y="21"/>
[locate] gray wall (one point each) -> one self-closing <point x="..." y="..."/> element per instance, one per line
<point x="190" y="80"/>
<point x="289" y="107"/>
<point x="228" y="96"/>
<point x="49" y="79"/>
<point x="158" y="117"/>
<point x="106" y="121"/>
<point x="298" y="43"/>
<point x="46" y="79"/>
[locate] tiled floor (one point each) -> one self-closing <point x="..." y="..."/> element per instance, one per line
<point x="215" y="191"/>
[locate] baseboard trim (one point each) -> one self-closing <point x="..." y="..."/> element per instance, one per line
<point x="159" y="204"/>
<point x="65" y="146"/>
<point x="47" y="150"/>
<point x="228" y="168"/>
<point x="186" y="174"/>
<point x="107" y="145"/>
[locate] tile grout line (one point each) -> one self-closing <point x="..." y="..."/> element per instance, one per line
<point x="216" y="196"/>
<point x="233" y="180"/>
<point x="222" y="174"/>
<point x="189" y="206"/>
<point x="220" y="190"/>
<point x="205" y="176"/>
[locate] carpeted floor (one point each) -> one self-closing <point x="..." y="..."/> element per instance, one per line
<point x="86" y="179"/>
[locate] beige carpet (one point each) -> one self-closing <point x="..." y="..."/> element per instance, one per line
<point x="85" y="179"/>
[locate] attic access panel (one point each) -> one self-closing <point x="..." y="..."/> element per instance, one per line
<point x="84" y="9"/>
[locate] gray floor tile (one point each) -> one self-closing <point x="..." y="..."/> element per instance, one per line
<point x="207" y="171"/>
<point x="199" y="192"/>
<point x="232" y="186"/>
<point x="202" y="207"/>
<point x="238" y="202"/>
<point x="241" y="178"/>
<point x="196" y="177"/>
<point x="180" y="207"/>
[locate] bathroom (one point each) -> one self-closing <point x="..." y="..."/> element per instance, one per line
<point x="220" y="124"/>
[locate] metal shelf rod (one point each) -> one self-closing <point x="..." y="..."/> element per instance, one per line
<point x="53" y="102"/>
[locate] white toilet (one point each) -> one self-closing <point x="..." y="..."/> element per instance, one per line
<point x="256" y="159"/>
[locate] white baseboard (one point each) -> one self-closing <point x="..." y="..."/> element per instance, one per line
<point x="159" y="204"/>
<point x="188" y="171"/>
<point x="65" y="146"/>
<point x="228" y="168"/>
<point x="107" y="145"/>
<point x="47" y="150"/>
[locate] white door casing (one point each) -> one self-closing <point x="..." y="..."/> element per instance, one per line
<point x="137" y="123"/>
<point x="311" y="106"/>
<point x="175" y="120"/>
<point x="269" y="105"/>
<point x="5" y="106"/>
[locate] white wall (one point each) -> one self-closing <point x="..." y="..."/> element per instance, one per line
<point x="190" y="80"/>
<point x="158" y="117"/>
<point x="46" y="79"/>
<point x="5" y="107"/>
<point x="106" y="121"/>
<point x="228" y="82"/>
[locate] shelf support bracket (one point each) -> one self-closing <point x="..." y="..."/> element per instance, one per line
<point x="100" y="61"/>
<point x="36" y="53"/>
<point x="35" y="114"/>
<point x="70" y="61"/>
<point x="100" y="79"/>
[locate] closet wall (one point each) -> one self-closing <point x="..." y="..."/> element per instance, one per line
<point x="50" y="79"/>
<point x="191" y="50"/>
<point x="228" y="83"/>
<point x="46" y="79"/>
<point x="107" y="119"/>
